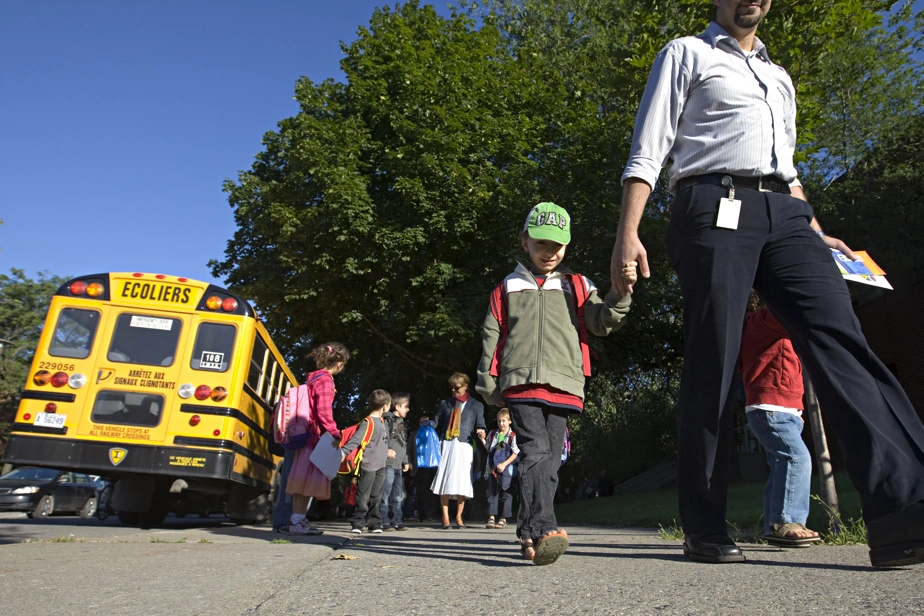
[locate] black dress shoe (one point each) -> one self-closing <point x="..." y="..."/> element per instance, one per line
<point x="897" y="539"/>
<point x="712" y="549"/>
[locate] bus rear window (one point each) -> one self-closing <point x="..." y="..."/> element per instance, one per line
<point x="74" y="333"/>
<point x="127" y="409"/>
<point x="213" y="348"/>
<point x="144" y="339"/>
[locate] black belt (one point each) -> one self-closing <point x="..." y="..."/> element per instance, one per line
<point x="765" y="183"/>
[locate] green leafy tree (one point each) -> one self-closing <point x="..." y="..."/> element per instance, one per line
<point x="384" y="212"/>
<point x="23" y="305"/>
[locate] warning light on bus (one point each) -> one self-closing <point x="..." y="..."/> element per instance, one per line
<point x="59" y="379"/>
<point x="95" y="289"/>
<point x="194" y="420"/>
<point x="214" y="302"/>
<point x="42" y="377"/>
<point x="219" y="394"/>
<point x="51" y="407"/>
<point x="203" y="392"/>
<point x="79" y="287"/>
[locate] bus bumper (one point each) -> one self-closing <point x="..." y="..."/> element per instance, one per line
<point x="111" y="460"/>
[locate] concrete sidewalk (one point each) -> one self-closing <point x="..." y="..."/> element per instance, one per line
<point x="426" y="570"/>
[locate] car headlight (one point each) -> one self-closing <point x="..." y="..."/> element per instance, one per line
<point x="28" y="490"/>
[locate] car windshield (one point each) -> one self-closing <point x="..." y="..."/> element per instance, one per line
<point x="32" y="473"/>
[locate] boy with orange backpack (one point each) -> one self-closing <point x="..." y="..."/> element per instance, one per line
<point x="372" y="464"/>
<point x="535" y="359"/>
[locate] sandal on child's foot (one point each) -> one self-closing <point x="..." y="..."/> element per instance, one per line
<point x="490" y="523"/>
<point x="550" y="547"/>
<point x="527" y="549"/>
<point x="502" y="523"/>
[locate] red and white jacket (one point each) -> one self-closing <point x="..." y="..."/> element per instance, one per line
<point x="770" y="368"/>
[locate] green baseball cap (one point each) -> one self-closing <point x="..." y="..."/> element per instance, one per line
<point x="548" y="221"/>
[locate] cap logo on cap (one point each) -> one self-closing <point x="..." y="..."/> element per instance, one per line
<point x="549" y="218"/>
<point x="547" y="221"/>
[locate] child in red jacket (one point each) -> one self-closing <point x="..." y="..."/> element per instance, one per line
<point x="773" y="388"/>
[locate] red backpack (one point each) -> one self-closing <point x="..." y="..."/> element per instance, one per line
<point x="350" y="464"/>
<point x="499" y="309"/>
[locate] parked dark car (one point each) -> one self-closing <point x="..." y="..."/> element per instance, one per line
<point x="39" y="492"/>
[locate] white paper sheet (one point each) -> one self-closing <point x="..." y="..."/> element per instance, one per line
<point x="325" y="456"/>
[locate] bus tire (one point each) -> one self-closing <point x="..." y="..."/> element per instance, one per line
<point x="129" y="518"/>
<point x="154" y="517"/>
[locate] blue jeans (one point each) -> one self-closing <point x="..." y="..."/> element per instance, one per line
<point x="786" y="497"/>
<point x="391" y="498"/>
<point x="282" y="508"/>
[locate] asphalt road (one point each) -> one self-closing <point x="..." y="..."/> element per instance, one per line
<point x="65" y="565"/>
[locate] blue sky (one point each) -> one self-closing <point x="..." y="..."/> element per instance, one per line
<point x="119" y="121"/>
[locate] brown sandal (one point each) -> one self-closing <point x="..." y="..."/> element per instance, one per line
<point x="527" y="549"/>
<point x="550" y="547"/>
<point x="501" y="523"/>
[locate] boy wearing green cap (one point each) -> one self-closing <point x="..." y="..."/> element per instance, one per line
<point x="535" y="359"/>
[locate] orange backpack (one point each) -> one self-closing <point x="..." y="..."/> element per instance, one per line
<point x="350" y="464"/>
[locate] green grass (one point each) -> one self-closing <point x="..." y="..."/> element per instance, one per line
<point x="745" y="511"/>
<point x="282" y="541"/>
<point x="58" y="539"/>
<point x="157" y="540"/>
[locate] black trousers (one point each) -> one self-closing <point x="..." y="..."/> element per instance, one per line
<point x="776" y="251"/>
<point x="428" y="503"/>
<point x="540" y="435"/>
<point x="368" y="497"/>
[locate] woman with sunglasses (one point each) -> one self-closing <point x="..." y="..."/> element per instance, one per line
<point x="458" y="420"/>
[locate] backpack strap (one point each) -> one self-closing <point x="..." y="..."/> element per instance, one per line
<point x="499" y="310"/>
<point x="580" y="294"/>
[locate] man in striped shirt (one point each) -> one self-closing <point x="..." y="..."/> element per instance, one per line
<point x="721" y="116"/>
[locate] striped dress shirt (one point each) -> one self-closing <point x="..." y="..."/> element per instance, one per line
<point x="710" y="107"/>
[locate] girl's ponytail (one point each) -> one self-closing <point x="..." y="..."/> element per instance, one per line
<point x="329" y="355"/>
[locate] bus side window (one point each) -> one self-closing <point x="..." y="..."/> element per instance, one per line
<point x="214" y="347"/>
<point x="271" y="371"/>
<point x="255" y="376"/>
<point x="74" y="333"/>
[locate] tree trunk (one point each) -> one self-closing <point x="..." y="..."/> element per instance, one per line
<point x="822" y="456"/>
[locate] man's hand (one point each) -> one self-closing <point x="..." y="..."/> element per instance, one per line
<point x="391" y="453"/>
<point x="628" y="248"/>
<point x="836" y="244"/>
<point x="481" y="433"/>
<point x="405" y="468"/>
<point x="627" y="255"/>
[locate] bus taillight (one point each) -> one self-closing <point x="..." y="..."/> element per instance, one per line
<point x="79" y="287"/>
<point x="95" y="289"/>
<point x="203" y="392"/>
<point x="42" y="377"/>
<point x="59" y="379"/>
<point x="194" y="420"/>
<point x="229" y="304"/>
<point x="219" y="394"/>
<point x="213" y="302"/>
<point x="51" y="407"/>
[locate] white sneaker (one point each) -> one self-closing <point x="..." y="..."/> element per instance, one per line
<point x="376" y="530"/>
<point x="357" y="531"/>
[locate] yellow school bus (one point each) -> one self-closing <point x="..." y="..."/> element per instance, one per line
<point x="165" y="385"/>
